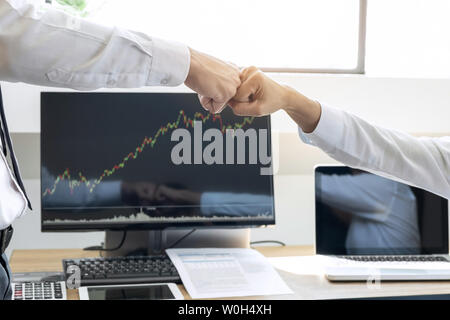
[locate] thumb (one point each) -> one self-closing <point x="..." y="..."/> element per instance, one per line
<point x="217" y="107"/>
<point x="211" y="105"/>
<point x="206" y="103"/>
<point x="247" y="90"/>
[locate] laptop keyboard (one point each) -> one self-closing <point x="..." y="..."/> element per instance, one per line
<point x="417" y="258"/>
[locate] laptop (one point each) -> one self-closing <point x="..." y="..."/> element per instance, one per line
<point x="373" y="228"/>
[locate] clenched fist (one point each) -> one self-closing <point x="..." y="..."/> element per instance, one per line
<point x="258" y="95"/>
<point x="214" y="80"/>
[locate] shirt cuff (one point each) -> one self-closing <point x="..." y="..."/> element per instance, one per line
<point x="329" y="131"/>
<point x="205" y="203"/>
<point x="170" y="63"/>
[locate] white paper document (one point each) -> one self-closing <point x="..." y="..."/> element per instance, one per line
<point x="220" y="273"/>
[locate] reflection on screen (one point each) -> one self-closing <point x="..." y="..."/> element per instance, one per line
<point x="362" y="213"/>
<point x="109" y="158"/>
<point x="156" y="292"/>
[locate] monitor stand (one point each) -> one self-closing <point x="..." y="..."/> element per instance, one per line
<point x="156" y="241"/>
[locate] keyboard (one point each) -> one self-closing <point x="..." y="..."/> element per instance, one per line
<point x="396" y="258"/>
<point x="124" y="270"/>
<point x="39" y="290"/>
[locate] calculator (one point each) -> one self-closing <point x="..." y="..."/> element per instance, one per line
<point x="39" y="290"/>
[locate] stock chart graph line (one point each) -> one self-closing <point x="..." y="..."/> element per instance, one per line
<point x="182" y="119"/>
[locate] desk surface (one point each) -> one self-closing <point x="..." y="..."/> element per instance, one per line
<point x="305" y="286"/>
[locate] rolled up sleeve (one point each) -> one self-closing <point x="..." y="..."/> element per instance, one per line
<point x="170" y="63"/>
<point x="50" y="48"/>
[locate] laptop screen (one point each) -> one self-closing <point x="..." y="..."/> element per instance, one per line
<point x="359" y="213"/>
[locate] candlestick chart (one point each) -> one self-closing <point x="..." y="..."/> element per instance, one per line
<point x="183" y="120"/>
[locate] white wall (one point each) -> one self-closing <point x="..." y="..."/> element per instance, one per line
<point x="405" y="104"/>
<point x="412" y="105"/>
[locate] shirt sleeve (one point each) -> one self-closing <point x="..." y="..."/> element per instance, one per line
<point x="363" y="195"/>
<point x="57" y="193"/>
<point x="423" y="162"/>
<point x="50" y="48"/>
<point x="235" y="204"/>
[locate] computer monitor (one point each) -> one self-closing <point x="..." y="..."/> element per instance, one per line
<point x="360" y="213"/>
<point x="150" y="161"/>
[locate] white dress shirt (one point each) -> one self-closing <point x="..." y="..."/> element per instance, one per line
<point x="107" y="193"/>
<point x="12" y="200"/>
<point x="383" y="212"/>
<point x="51" y="48"/>
<point x="421" y="162"/>
<point x="235" y="204"/>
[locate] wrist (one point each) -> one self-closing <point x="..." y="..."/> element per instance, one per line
<point x="301" y="109"/>
<point x="294" y="101"/>
<point x="193" y="67"/>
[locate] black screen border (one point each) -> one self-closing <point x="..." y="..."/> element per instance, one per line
<point x="83" y="227"/>
<point x="340" y="169"/>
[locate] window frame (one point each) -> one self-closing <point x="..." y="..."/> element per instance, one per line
<point x="361" y="57"/>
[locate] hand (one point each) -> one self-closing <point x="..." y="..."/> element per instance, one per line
<point x="138" y="193"/>
<point x="215" y="81"/>
<point x="165" y="194"/>
<point x="259" y="95"/>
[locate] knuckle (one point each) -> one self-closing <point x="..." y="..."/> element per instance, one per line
<point x="258" y="76"/>
<point x="229" y="93"/>
<point x="221" y="96"/>
<point x="237" y="80"/>
<point x="246" y="72"/>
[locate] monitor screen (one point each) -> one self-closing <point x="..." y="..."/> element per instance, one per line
<point x="151" y="161"/>
<point x="359" y="213"/>
<point x="139" y="292"/>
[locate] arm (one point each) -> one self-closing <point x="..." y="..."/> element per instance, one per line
<point x="106" y="194"/>
<point x="217" y="203"/>
<point x="423" y="162"/>
<point x="235" y="204"/>
<point x="51" y="48"/>
<point x="363" y="195"/>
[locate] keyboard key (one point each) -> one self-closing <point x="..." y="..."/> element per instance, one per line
<point x="394" y="258"/>
<point x="112" y="269"/>
<point x="132" y="275"/>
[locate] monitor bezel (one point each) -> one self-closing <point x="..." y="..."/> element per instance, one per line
<point x="250" y="223"/>
<point x="330" y="169"/>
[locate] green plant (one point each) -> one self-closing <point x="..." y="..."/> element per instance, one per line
<point x="78" y="5"/>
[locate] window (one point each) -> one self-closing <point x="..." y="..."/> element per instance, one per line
<point x="281" y="35"/>
<point x="408" y="38"/>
